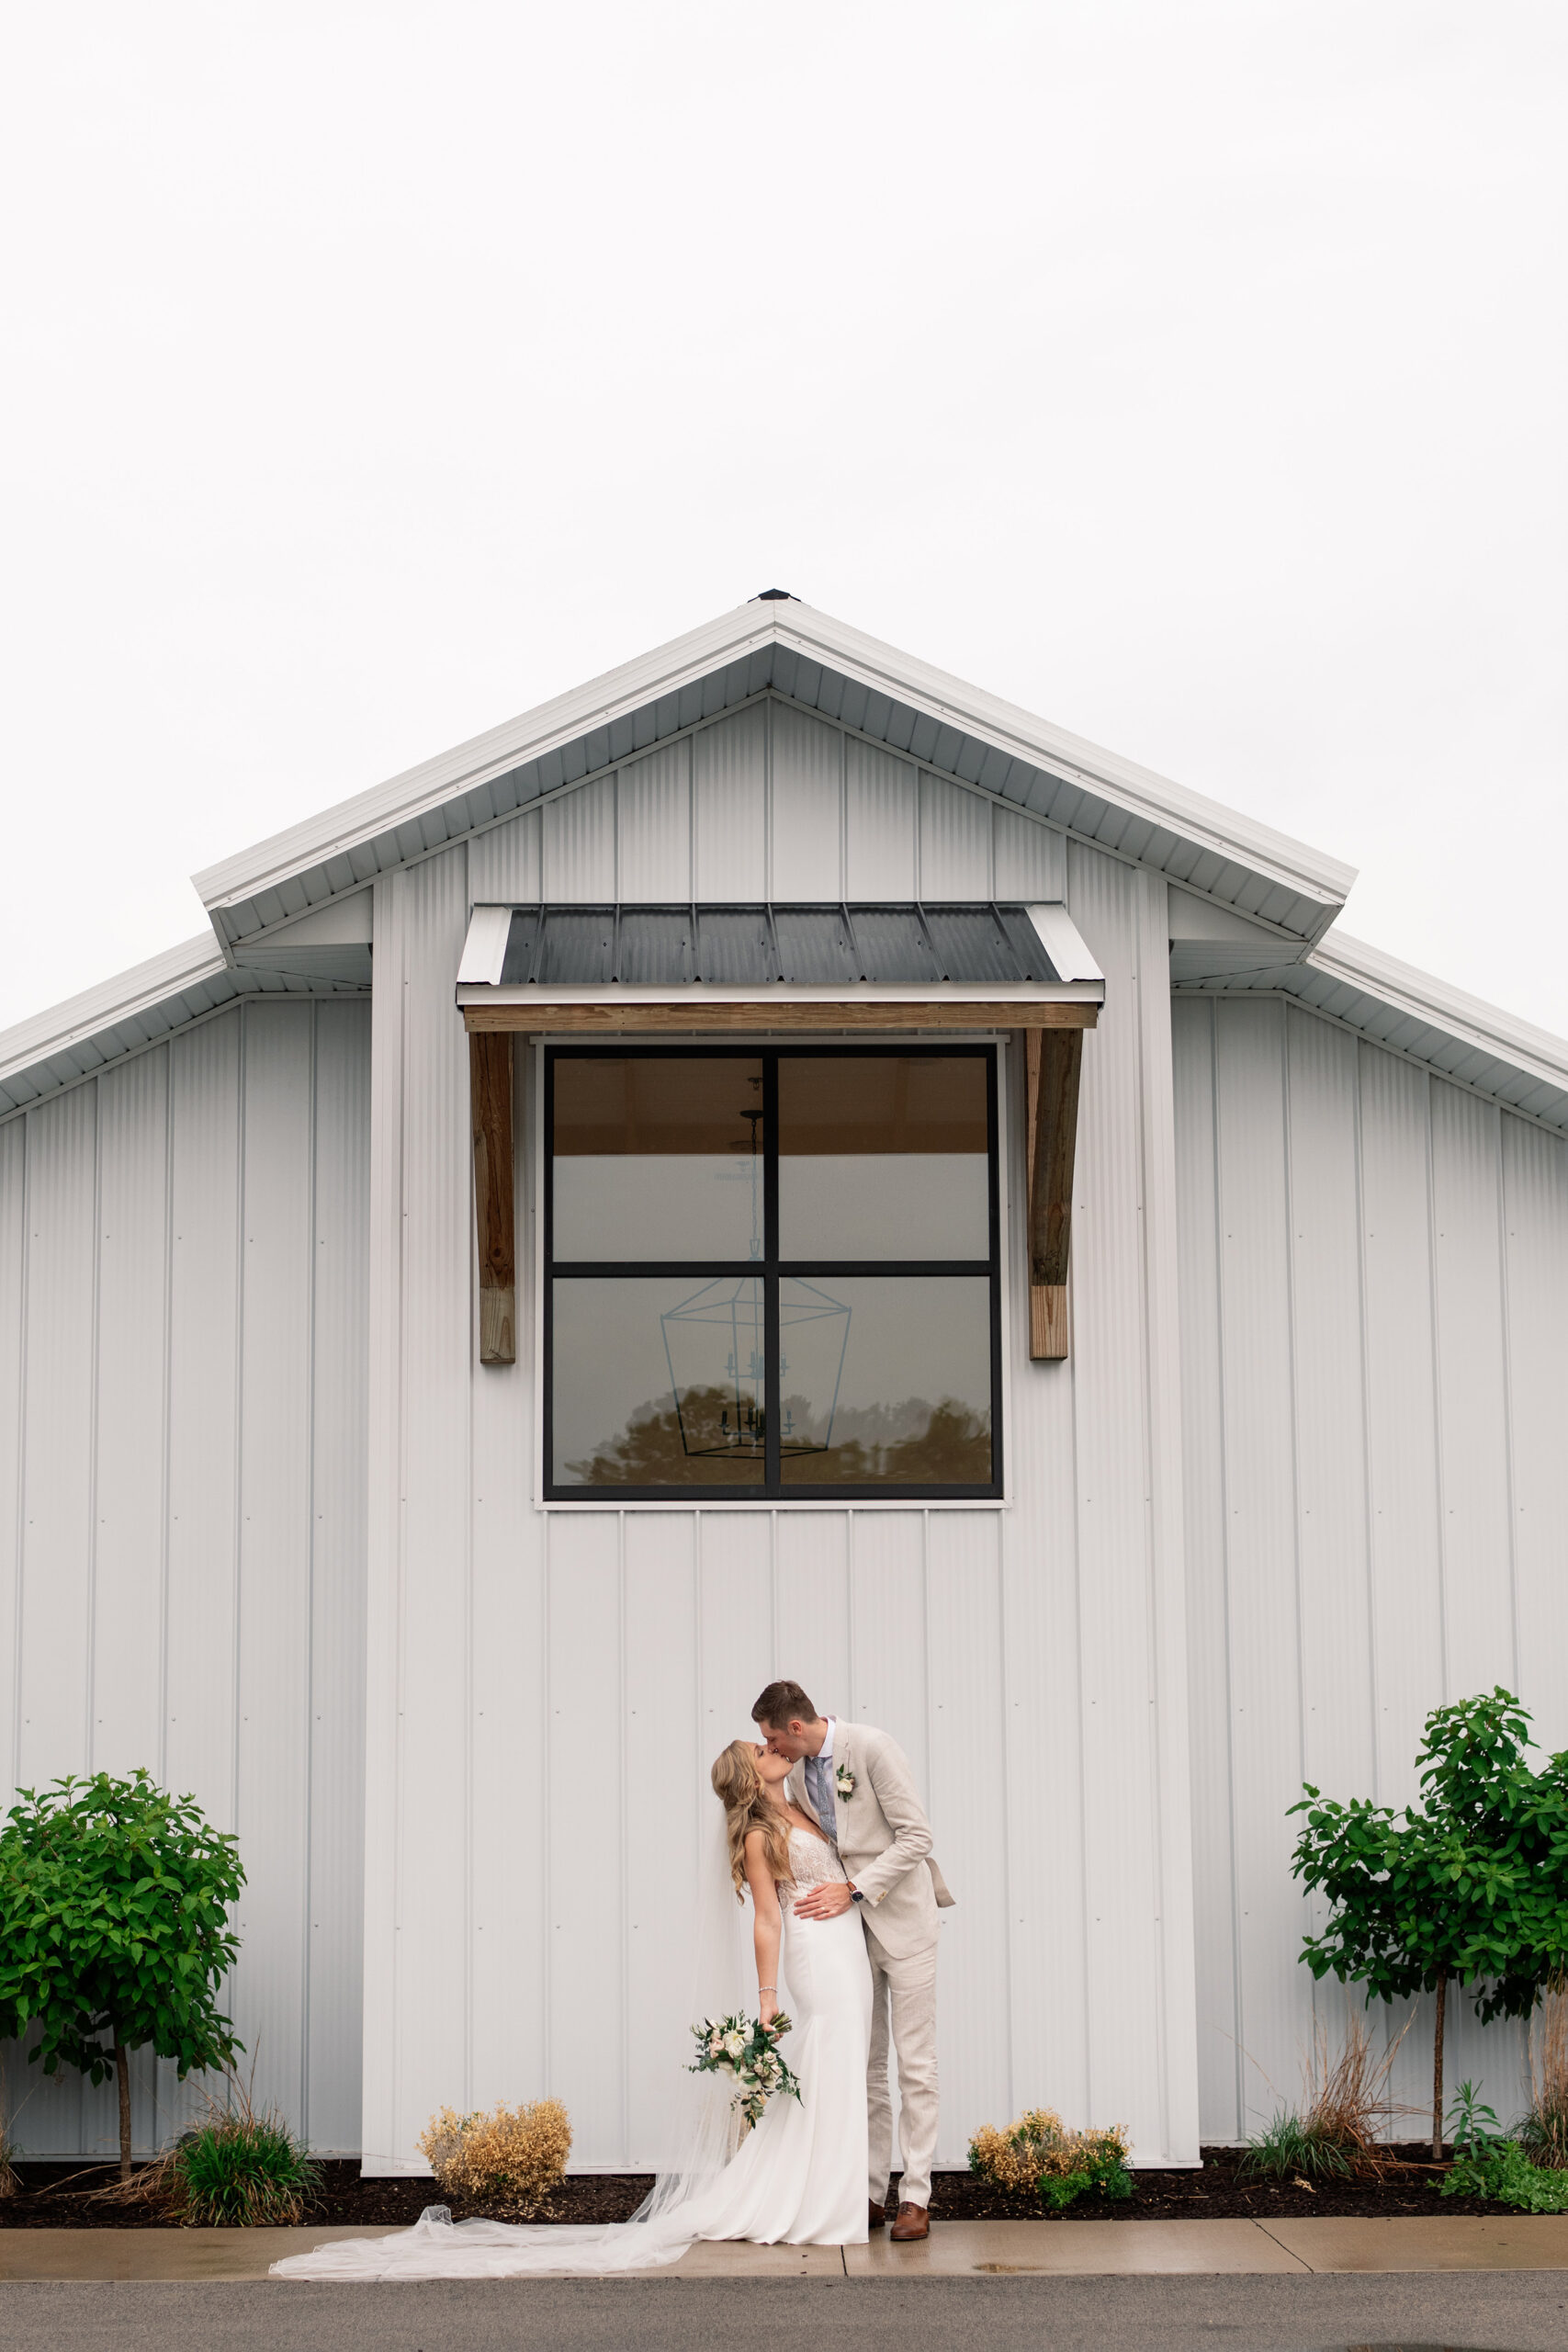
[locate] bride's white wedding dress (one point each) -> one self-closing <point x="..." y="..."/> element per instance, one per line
<point x="799" y="2178"/>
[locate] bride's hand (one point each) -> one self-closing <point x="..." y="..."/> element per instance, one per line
<point x="767" y="2006"/>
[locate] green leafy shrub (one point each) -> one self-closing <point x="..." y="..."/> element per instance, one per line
<point x="1038" y="2157"/>
<point x="1501" y="2171"/>
<point x="114" y="1930"/>
<point x="1467" y="1887"/>
<point x="242" y="2170"/>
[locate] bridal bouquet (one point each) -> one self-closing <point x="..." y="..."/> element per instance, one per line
<point x="744" y="2048"/>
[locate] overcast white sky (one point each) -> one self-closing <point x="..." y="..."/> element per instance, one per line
<point x="1193" y="372"/>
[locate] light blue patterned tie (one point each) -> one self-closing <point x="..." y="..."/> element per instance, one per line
<point x="819" y="1782"/>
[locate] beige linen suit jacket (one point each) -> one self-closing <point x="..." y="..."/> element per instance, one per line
<point x="885" y="1840"/>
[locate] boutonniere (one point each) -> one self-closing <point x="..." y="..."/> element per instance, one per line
<point x="844" y="1781"/>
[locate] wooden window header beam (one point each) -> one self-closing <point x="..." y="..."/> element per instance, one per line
<point x="710" y="1015"/>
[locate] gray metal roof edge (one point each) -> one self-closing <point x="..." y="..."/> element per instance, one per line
<point x="881" y="668"/>
<point x="1472" y="1019"/>
<point x="140" y="990"/>
<point x="1382" y="980"/>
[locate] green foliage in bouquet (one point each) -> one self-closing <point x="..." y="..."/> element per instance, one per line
<point x="745" y="2049"/>
<point x="115" y="1899"/>
<point x="1039" y="2157"/>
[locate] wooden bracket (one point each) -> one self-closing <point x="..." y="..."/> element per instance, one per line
<point x="1053" y="1060"/>
<point x="490" y="1093"/>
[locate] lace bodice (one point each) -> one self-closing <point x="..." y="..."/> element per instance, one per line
<point x="813" y="1861"/>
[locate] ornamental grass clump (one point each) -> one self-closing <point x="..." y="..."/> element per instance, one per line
<point x="1341" y="2130"/>
<point x="241" y="2170"/>
<point x="506" y="2163"/>
<point x="1039" y="2157"/>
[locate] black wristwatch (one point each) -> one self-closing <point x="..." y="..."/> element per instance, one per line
<point x="855" y="1894"/>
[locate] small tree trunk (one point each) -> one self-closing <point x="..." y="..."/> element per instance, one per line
<point x="122" y="2070"/>
<point x="1438" y="2073"/>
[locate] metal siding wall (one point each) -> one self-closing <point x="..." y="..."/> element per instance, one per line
<point x="13" y="1294"/>
<point x="881" y="813"/>
<point x="434" y="1698"/>
<point x="128" y="1537"/>
<point x="954" y="842"/>
<point x="1028" y="860"/>
<point x="806" y="806"/>
<point x="1116" y="1614"/>
<point x="504" y="864"/>
<point x="1535" y="1179"/>
<point x="1472" y="1390"/>
<point x="653" y="825"/>
<point x="611" y="1654"/>
<point x="132" y="1565"/>
<point x="1221" y="2066"/>
<point x="580" y="845"/>
<point x="1374" y="1446"/>
<point x="729" y="792"/>
<point x="336" y="1696"/>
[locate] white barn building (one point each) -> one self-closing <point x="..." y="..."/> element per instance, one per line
<point x="776" y="1161"/>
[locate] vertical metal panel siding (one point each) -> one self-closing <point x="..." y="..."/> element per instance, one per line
<point x="881" y="806"/>
<point x="729" y="793"/>
<point x="768" y="802"/>
<point x="520" y="1890"/>
<point x="1139" y="2039"/>
<point x="1354" y="1428"/>
<point x="170" y="1283"/>
<point x="805" y="805"/>
<point x="1535" y="1190"/>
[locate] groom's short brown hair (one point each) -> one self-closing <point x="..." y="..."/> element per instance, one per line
<point x="782" y="1704"/>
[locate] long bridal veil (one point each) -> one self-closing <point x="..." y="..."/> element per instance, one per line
<point x="700" y="2135"/>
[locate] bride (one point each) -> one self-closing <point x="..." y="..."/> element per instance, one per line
<point x="799" y="2177"/>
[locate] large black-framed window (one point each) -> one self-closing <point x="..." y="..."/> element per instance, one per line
<point x="772" y="1273"/>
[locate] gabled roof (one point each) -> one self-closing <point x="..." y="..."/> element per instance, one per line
<point x="1238" y="868"/>
<point x="790" y="649"/>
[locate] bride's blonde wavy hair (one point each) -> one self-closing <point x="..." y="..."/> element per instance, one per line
<point x="739" y="1788"/>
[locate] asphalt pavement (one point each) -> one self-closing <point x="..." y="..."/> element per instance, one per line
<point x="1493" y="2311"/>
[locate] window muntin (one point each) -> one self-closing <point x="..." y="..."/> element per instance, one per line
<point x="772" y="1271"/>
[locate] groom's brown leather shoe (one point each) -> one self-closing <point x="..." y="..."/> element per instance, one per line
<point x="877" y="2217"/>
<point x="913" y="2221"/>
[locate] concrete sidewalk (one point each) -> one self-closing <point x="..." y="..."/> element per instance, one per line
<point x="973" y="2250"/>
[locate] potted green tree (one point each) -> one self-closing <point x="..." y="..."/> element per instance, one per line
<point x="1468" y="1887"/>
<point x="115" y="1902"/>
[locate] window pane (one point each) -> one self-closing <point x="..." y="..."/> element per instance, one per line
<point x="658" y="1158"/>
<point x="657" y="1382"/>
<point x="886" y="1380"/>
<point x="883" y="1156"/>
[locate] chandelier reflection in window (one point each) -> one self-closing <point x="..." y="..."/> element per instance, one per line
<point x="713" y="1345"/>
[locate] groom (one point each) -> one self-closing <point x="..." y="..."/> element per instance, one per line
<point x="856" y="1784"/>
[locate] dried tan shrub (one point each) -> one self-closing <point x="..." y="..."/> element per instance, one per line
<point x="1040" y="2143"/>
<point x="1348" y="2101"/>
<point x="508" y="2162"/>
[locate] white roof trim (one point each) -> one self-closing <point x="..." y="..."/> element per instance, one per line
<point x="1064" y="943"/>
<point x="1457" y="1035"/>
<point x="614" y="717"/>
<point x="697" y="993"/>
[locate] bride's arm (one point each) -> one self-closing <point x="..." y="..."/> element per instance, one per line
<point x="766" y="1927"/>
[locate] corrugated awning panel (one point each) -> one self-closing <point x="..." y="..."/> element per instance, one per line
<point x="762" y="945"/>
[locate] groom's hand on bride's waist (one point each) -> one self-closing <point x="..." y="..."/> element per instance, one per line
<point x="824" y="1902"/>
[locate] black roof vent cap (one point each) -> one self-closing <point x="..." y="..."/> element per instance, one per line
<point x="774" y="596"/>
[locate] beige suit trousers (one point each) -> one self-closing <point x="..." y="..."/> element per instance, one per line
<point x="903" y="1995"/>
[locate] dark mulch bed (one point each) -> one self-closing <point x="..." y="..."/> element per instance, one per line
<point x="51" y="2198"/>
